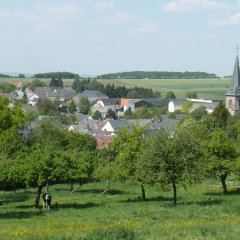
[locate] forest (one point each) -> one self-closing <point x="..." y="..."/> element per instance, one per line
<point x="157" y="75"/>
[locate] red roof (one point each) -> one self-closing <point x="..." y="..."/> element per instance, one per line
<point x="102" y="140"/>
<point x="17" y="84"/>
<point x="124" y="102"/>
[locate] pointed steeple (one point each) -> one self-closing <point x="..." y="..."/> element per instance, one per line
<point x="234" y="89"/>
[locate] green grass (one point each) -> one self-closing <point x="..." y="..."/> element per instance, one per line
<point x="205" y="88"/>
<point x="202" y="212"/>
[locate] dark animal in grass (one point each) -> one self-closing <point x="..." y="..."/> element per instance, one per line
<point x="46" y="200"/>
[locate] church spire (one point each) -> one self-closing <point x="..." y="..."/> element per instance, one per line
<point x="234" y="89"/>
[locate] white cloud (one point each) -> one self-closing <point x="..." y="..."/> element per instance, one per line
<point x="145" y="29"/>
<point x="192" y="5"/>
<point x="226" y="21"/>
<point x="122" y="17"/>
<point x="104" y="5"/>
<point x="59" y="9"/>
<point x="15" y="14"/>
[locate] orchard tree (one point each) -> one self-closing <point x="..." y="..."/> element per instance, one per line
<point x="57" y="155"/>
<point x="222" y="157"/>
<point x="11" y="141"/>
<point x="125" y="150"/>
<point x="171" y="159"/>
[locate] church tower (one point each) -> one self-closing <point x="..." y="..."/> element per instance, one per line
<point x="233" y="94"/>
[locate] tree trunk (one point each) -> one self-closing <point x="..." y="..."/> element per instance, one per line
<point x="107" y="188"/>
<point x="174" y="193"/>
<point x="143" y="192"/>
<point x="223" y="180"/>
<point x="37" y="198"/>
<point x="71" y="186"/>
<point x="14" y="188"/>
<point x="47" y="186"/>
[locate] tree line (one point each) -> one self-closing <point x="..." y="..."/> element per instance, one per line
<point x="63" y="75"/>
<point x="199" y="148"/>
<point x="156" y="75"/>
<point x="113" y="91"/>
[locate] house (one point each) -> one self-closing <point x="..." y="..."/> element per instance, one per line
<point x="210" y="106"/>
<point x="114" y="126"/>
<point x="233" y="94"/>
<point x="175" y="104"/>
<point x="17" y="84"/>
<point x="33" y="98"/>
<point x="157" y="101"/>
<point x="93" y="95"/>
<point x="53" y="93"/>
<point x="103" y="105"/>
<point x="10" y="96"/>
<point x="132" y="104"/>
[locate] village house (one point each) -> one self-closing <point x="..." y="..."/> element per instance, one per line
<point x="53" y="93"/>
<point x="92" y="95"/>
<point x="175" y="105"/>
<point x="103" y="105"/>
<point x="114" y="126"/>
<point x="132" y="104"/>
<point x="17" y="84"/>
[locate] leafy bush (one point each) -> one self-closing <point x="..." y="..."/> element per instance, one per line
<point x="111" y="234"/>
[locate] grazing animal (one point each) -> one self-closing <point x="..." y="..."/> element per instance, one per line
<point x="46" y="200"/>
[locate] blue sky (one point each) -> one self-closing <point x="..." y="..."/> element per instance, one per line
<point x="103" y="36"/>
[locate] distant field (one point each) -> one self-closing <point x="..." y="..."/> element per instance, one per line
<point x="201" y="213"/>
<point x="205" y="88"/>
<point x="213" y="88"/>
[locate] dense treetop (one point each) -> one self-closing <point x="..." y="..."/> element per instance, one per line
<point x="63" y="75"/>
<point x="113" y="91"/>
<point x="157" y="75"/>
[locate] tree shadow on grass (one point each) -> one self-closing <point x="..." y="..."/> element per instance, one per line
<point x="20" y="215"/>
<point x="153" y="199"/>
<point x="18" y="197"/>
<point x="56" y="206"/>
<point x="230" y="193"/>
<point x="75" y="206"/>
<point x="207" y="202"/>
<point x="100" y="191"/>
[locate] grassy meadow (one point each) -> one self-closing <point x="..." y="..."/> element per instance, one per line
<point x="213" y="88"/>
<point x="202" y="212"/>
